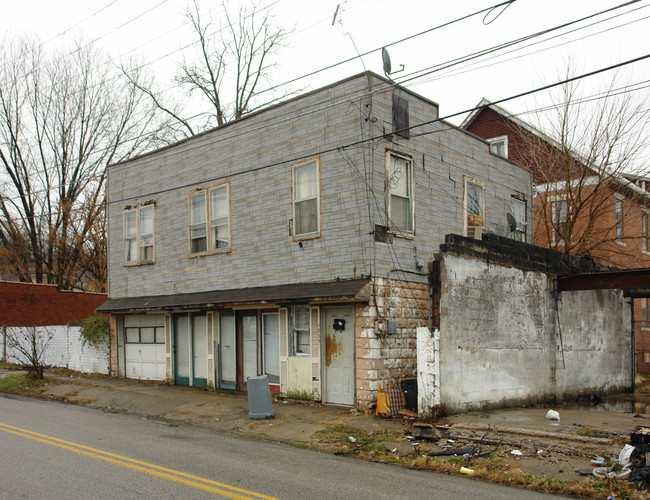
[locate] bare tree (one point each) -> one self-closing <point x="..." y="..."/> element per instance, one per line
<point x="234" y="59"/>
<point x="64" y="117"/>
<point x="28" y="345"/>
<point x="590" y="176"/>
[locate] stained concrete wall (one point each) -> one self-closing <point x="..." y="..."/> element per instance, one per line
<point x="504" y="340"/>
<point x="507" y="338"/>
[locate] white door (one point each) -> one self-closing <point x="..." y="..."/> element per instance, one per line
<point x="338" y="355"/>
<point x="270" y="333"/>
<point x="144" y="347"/>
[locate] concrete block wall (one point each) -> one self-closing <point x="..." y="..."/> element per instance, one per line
<point x="382" y="358"/>
<point x="52" y="341"/>
<point x="86" y="358"/>
<point x="61" y="347"/>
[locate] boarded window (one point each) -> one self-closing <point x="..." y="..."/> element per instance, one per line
<point x="401" y="116"/>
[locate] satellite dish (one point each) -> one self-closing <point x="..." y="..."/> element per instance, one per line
<point x="386" y="58"/>
<point x="512" y="222"/>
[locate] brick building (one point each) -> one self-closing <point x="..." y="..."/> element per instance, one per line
<point x="578" y="209"/>
<point x="295" y="242"/>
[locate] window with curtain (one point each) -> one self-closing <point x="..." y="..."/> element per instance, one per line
<point x="210" y="221"/>
<point x="219" y="218"/>
<point x="139" y="235"/>
<point x="306" y="203"/>
<point x="400" y="188"/>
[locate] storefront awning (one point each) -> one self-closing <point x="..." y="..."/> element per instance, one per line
<point x="325" y="291"/>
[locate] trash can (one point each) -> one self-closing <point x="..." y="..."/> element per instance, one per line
<point x="259" y="398"/>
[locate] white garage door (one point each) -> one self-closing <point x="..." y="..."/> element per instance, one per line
<point x="144" y="346"/>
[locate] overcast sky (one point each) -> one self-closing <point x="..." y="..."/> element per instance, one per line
<point x="155" y="31"/>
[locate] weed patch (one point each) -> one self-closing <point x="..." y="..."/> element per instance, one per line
<point x="21" y="383"/>
<point x="342" y="439"/>
<point x="4" y="365"/>
<point x="497" y="469"/>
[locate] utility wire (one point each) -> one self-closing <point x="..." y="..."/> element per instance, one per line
<point x="375" y="138"/>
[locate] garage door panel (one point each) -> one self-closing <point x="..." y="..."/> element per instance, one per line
<point x="145" y="361"/>
<point x="149" y="353"/>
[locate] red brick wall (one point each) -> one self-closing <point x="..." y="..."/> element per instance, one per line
<point x="27" y="304"/>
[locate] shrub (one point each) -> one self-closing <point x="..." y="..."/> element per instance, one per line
<point x="95" y="330"/>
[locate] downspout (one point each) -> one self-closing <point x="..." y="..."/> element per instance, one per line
<point x="633" y="350"/>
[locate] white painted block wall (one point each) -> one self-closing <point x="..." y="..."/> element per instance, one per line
<point x="64" y="350"/>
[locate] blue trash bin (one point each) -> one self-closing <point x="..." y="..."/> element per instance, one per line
<point x="260" y="406"/>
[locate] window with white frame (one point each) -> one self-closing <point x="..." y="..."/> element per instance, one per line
<point x="400" y="193"/>
<point x="560" y="219"/>
<point x="306" y="199"/>
<point x="644" y="313"/>
<point x="644" y="231"/>
<point x="301" y="340"/>
<point x="619" y="219"/>
<point x="219" y="218"/>
<point x="499" y="146"/>
<point x="474" y="205"/>
<point x="209" y="221"/>
<point x="139" y="235"/>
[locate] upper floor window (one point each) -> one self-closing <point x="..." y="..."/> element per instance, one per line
<point x="499" y="146"/>
<point x="138" y="235"/>
<point x="400" y="193"/>
<point x="306" y="199"/>
<point x="619" y="219"/>
<point x="644" y="231"/>
<point x="401" y="116"/>
<point x="560" y="218"/>
<point x="519" y="214"/>
<point x="474" y="206"/>
<point x="209" y="220"/>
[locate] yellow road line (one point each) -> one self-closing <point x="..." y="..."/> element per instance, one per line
<point x="138" y="465"/>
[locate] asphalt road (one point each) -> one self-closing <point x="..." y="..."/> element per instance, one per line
<point x="52" y="450"/>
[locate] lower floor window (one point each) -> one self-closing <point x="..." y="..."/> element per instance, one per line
<point x="300" y="331"/>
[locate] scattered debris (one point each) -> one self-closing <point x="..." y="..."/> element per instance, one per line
<point x="426" y="431"/>
<point x="552" y="415"/>
<point x="408" y="413"/>
<point x="466" y="471"/>
<point x="352" y="439"/>
<point x="451" y="453"/>
<point x="517" y="453"/>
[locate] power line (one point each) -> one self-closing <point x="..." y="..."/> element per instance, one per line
<point x="375" y="138"/>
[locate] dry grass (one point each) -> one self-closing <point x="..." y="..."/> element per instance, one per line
<point x="496" y="469"/>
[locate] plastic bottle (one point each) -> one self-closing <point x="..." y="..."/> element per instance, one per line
<point x="599" y="463"/>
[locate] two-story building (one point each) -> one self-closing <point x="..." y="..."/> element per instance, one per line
<point x="295" y="241"/>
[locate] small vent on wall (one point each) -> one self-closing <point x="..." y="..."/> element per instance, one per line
<point x="474" y="232"/>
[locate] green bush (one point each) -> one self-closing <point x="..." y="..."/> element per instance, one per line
<point x="95" y="330"/>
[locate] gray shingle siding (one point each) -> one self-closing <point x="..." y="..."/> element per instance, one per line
<point x="255" y="155"/>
